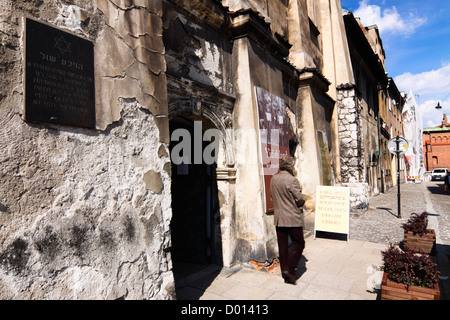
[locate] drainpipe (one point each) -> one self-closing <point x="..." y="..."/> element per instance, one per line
<point x="431" y="151"/>
<point x="380" y="155"/>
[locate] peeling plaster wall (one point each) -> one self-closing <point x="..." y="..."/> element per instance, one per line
<point x="196" y="50"/>
<point x="273" y="12"/>
<point x="200" y="84"/>
<point x="130" y="58"/>
<point x="84" y="214"/>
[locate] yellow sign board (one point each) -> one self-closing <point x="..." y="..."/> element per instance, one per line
<point x="332" y="210"/>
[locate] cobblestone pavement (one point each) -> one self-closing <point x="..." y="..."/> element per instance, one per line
<point x="380" y="223"/>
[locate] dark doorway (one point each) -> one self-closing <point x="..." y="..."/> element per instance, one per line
<point x="195" y="225"/>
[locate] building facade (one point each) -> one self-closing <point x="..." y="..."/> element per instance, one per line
<point x="360" y="127"/>
<point x="193" y="102"/>
<point x="436" y="146"/>
<point x="105" y="207"/>
<point x="392" y="126"/>
<point x="377" y="116"/>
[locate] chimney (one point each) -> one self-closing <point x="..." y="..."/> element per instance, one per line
<point x="444" y="121"/>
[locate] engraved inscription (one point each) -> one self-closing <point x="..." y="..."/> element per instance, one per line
<point x="59" y="81"/>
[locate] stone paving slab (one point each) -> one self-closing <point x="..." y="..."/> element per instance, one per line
<point x="331" y="268"/>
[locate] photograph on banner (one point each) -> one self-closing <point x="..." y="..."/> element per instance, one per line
<point x="274" y="133"/>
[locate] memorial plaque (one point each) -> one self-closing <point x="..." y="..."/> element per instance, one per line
<point x="59" y="77"/>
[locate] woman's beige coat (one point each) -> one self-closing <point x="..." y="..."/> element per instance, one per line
<point x="288" y="200"/>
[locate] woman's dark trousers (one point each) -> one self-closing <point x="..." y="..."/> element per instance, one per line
<point x="289" y="259"/>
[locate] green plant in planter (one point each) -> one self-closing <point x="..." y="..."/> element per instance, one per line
<point x="417" y="223"/>
<point x="407" y="267"/>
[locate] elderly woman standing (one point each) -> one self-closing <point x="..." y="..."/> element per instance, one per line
<point x="288" y="200"/>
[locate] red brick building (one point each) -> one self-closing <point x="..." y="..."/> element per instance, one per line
<point x="436" y="146"/>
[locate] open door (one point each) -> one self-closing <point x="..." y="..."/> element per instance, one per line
<point x="194" y="206"/>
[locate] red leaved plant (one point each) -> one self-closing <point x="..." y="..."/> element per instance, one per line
<point x="417" y="223"/>
<point x="409" y="268"/>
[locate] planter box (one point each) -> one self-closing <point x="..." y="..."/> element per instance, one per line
<point x="391" y="290"/>
<point x="425" y="243"/>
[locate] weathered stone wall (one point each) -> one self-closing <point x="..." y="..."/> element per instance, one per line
<point x="350" y="136"/>
<point x="351" y="149"/>
<point x="84" y="214"/>
<point x="196" y="49"/>
<point x="200" y="88"/>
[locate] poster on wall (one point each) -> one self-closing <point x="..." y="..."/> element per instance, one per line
<point x="274" y="132"/>
<point x="332" y="210"/>
<point x="325" y="160"/>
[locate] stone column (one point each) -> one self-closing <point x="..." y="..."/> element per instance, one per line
<point x="351" y="157"/>
<point x="250" y="211"/>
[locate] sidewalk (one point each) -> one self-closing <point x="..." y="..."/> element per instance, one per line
<point x="331" y="268"/>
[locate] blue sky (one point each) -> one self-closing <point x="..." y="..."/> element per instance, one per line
<point x="416" y="39"/>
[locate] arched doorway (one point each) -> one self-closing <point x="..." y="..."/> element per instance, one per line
<point x="195" y="225"/>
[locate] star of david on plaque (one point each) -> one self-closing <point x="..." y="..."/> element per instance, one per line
<point x="62" y="45"/>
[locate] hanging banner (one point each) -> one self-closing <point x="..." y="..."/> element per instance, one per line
<point x="274" y="134"/>
<point x="332" y="210"/>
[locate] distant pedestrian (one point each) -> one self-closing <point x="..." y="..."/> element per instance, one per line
<point x="288" y="200"/>
<point x="447" y="183"/>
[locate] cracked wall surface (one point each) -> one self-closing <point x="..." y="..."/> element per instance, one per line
<point x="84" y="214"/>
<point x="130" y="58"/>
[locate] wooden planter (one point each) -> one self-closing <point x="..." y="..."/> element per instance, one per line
<point x="391" y="290"/>
<point x="425" y="243"/>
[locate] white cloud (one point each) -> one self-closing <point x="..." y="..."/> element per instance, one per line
<point x="429" y="83"/>
<point x="431" y="87"/>
<point x="388" y="21"/>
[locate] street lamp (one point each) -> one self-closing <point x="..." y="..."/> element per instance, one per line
<point x="438" y="106"/>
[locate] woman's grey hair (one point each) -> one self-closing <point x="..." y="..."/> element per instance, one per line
<point x="287" y="163"/>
